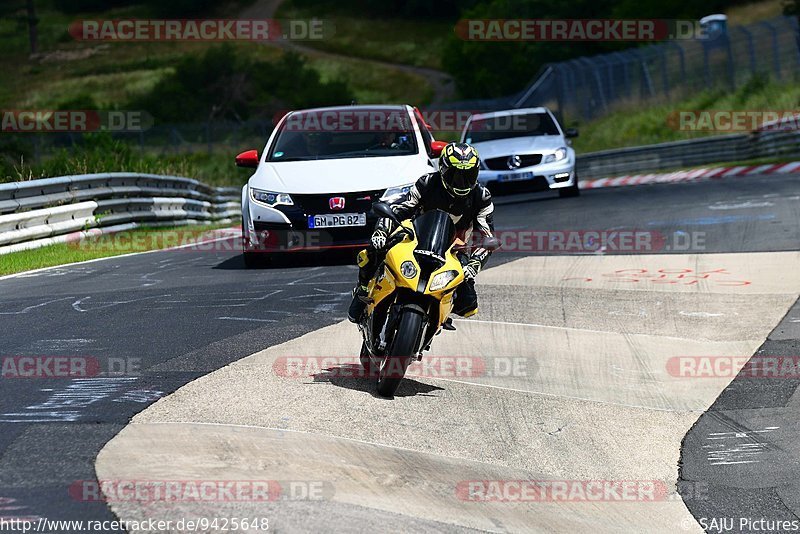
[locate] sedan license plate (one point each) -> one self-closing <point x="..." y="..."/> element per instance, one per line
<point x="514" y="177"/>
<point x="337" y="220"/>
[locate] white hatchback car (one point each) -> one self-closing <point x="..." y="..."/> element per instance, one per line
<point x="321" y="171"/>
<point x="523" y="145"/>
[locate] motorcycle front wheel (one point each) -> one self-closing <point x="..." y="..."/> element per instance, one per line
<point x="400" y="354"/>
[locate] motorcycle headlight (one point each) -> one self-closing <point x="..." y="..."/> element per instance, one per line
<point x="396" y="193"/>
<point x="408" y="269"/>
<point x="271" y="199"/>
<point x="441" y="280"/>
<point x="559" y="154"/>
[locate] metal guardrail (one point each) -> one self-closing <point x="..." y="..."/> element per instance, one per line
<point x="689" y="153"/>
<point x="51" y="210"/>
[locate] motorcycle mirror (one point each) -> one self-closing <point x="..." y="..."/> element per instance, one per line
<point x="383" y="209"/>
<point x="491" y="243"/>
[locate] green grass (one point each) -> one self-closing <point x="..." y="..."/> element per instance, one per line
<point x="216" y="168"/>
<point x="139" y="240"/>
<point x="373" y="84"/>
<point x="106" y="90"/>
<point x="410" y="42"/>
<point x="110" y="73"/>
<point x="644" y="126"/>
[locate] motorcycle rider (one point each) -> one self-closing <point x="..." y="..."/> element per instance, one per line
<point x="454" y="189"/>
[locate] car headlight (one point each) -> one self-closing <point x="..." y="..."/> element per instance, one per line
<point x="559" y="154"/>
<point x="441" y="280"/>
<point x="271" y="199"/>
<point x="396" y="193"/>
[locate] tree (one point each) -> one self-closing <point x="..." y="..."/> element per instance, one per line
<point x="33" y="23"/>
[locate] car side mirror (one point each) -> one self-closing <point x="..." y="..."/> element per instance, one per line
<point x="248" y="159"/>
<point x="437" y="147"/>
<point x="571" y="133"/>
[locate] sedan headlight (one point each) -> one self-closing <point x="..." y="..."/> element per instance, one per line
<point x="441" y="280"/>
<point x="560" y="154"/>
<point x="271" y="199"/>
<point x="396" y="193"/>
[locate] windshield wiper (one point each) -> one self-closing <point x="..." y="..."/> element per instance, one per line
<point x="289" y="159"/>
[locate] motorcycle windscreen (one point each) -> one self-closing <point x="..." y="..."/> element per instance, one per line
<point x="435" y="234"/>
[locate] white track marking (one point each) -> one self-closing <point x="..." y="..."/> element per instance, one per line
<point x="248" y="319"/>
<point x="29" y="308"/>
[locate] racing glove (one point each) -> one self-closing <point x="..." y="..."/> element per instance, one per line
<point x="378" y="239"/>
<point x="472" y="268"/>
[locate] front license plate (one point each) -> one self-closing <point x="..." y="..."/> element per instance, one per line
<point x="516" y="176"/>
<point x="337" y="220"/>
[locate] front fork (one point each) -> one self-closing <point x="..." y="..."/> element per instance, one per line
<point x="377" y="345"/>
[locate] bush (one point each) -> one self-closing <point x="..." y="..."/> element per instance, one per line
<point x="183" y="8"/>
<point x="222" y="84"/>
<point x="411" y="9"/>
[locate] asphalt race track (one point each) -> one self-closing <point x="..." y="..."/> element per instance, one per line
<point x="593" y="396"/>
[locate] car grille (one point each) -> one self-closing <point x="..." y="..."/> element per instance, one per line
<point x="359" y="202"/>
<point x="501" y="163"/>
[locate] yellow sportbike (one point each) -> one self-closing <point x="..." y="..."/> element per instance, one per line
<point x="410" y="296"/>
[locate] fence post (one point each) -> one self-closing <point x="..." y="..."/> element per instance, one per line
<point x="731" y="65"/>
<point x="662" y="52"/>
<point x="681" y="60"/>
<point x="647" y="90"/>
<point x="626" y="76"/>
<point x="793" y="24"/>
<point x="775" y="51"/>
<point x="560" y="87"/>
<point x="750" y="48"/>
<point x="609" y="80"/>
<point x="598" y="81"/>
<point x="570" y="90"/>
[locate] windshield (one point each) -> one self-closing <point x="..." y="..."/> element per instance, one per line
<point x="336" y="134"/>
<point x="508" y="126"/>
<point x="435" y="233"/>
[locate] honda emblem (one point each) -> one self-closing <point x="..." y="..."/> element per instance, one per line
<point x="336" y="203"/>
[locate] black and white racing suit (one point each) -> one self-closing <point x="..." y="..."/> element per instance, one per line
<point x="470" y="213"/>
